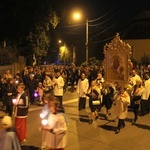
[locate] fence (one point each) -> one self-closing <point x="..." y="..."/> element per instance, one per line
<point x="3" y="69"/>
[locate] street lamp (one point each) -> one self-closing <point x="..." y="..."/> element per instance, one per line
<point x="63" y="49"/>
<point x="87" y="41"/>
<point x="59" y="41"/>
<point x="77" y="16"/>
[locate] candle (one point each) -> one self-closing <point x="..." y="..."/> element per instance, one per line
<point x="42" y="115"/>
<point x="14" y="101"/>
<point x="44" y="122"/>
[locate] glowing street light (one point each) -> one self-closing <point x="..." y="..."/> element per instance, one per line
<point x="59" y="41"/>
<point x="77" y="16"/>
<point x="63" y="52"/>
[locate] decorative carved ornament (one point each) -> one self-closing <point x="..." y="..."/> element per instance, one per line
<point x="117" y="62"/>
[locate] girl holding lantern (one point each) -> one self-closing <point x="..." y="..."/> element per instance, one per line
<point x="21" y="104"/>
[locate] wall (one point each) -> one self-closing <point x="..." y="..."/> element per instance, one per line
<point x="14" y="68"/>
<point x="3" y="69"/>
<point x="139" y="48"/>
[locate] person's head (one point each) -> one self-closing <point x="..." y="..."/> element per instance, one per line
<point x="57" y="74"/>
<point x="146" y="76"/>
<point x="47" y="77"/>
<point x="8" y="72"/>
<point x="10" y="80"/>
<point x="20" y="87"/>
<point x="138" y="82"/>
<point x="116" y="84"/>
<point x="82" y="75"/>
<point x="99" y="75"/>
<point x="133" y="72"/>
<point x="17" y="76"/>
<point x="122" y="89"/>
<point x="48" y="97"/>
<point x="31" y="69"/>
<point x="40" y="84"/>
<point x="54" y="105"/>
<point x="93" y="83"/>
<point x="31" y="76"/>
<point x="6" y="122"/>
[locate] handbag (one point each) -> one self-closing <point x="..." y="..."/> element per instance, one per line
<point x="96" y="102"/>
<point x="136" y="100"/>
<point x="48" y="89"/>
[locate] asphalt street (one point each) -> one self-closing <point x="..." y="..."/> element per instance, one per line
<point x="97" y="136"/>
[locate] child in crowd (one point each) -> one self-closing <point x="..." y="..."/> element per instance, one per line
<point x="40" y="92"/>
<point x="44" y="115"/>
<point x="8" y="137"/>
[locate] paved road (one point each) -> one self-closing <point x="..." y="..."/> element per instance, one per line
<point x="97" y="136"/>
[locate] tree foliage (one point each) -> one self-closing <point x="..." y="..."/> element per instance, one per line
<point x="91" y="62"/>
<point x="7" y="55"/>
<point x="28" y="24"/>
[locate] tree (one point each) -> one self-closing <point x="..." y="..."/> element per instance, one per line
<point x="7" y="55"/>
<point x="27" y="24"/>
<point x="91" y="62"/>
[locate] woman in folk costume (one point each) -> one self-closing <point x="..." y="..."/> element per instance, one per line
<point x="57" y="127"/>
<point x="122" y="99"/>
<point x="82" y="87"/>
<point x="8" y="137"/>
<point x="94" y="94"/>
<point x="136" y="99"/>
<point x="21" y="111"/>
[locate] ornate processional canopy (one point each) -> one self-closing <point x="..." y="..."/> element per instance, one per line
<point x="117" y="62"/>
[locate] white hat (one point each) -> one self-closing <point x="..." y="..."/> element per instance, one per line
<point x="7" y="121"/>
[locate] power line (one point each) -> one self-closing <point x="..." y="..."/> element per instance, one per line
<point x="100" y="16"/>
<point x="111" y="36"/>
<point x="104" y="30"/>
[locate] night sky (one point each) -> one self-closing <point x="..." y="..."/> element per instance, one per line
<point x="106" y="18"/>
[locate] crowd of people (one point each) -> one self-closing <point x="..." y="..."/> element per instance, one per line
<point x="46" y="85"/>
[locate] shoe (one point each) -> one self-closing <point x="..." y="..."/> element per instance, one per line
<point x="117" y="131"/>
<point x="142" y="113"/>
<point x="90" y="121"/>
<point x="96" y="117"/>
<point x="122" y="126"/>
<point x="133" y="122"/>
<point x="79" y="109"/>
<point x="22" y="142"/>
<point x="106" y="116"/>
<point x="41" y="103"/>
<point x="43" y="148"/>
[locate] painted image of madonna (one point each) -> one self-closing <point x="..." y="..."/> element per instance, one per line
<point x="117" y="68"/>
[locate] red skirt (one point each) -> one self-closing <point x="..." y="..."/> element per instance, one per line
<point x="21" y="128"/>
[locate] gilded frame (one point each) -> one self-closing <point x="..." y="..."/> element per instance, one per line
<point x="117" y="61"/>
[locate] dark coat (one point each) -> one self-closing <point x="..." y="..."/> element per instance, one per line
<point x="9" y="88"/>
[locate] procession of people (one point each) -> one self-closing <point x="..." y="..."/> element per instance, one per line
<point x="46" y="85"/>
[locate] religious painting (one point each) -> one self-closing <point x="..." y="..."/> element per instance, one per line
<point x="117" y="60"/>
